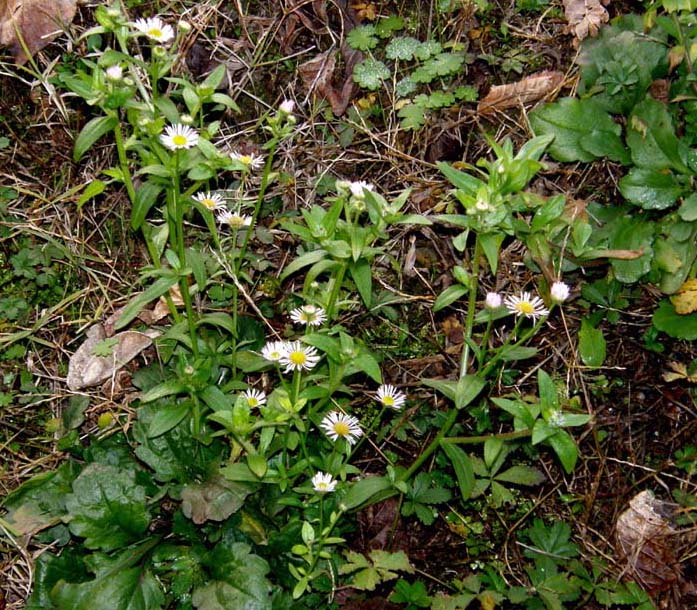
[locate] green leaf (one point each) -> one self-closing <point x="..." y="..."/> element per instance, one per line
<point x="582" y="131"/>
<point x="459" y="601"/>
<point x="565" y="448"/>
<point x="40" y="502"/>
<point x="309" y="258"/>
<point x="650" y="189"/>
<point x="362" y="38"/>
<point x="521" y="475"/>
<point x="362" y="275"/>
<point x="632" y="233"/>
<point x="463" y="468"/>
<point x="105" y="347"/>
<point x="652" y="140"/>
<point x="166" y="388"/>
<point x="387" y="26"/>
<point x="442" y="64"/>
<point x="92" y="132"/>
<point x="468" y="184"/>
<point x="370" y="73"/>
<point x="674" y="324"/>
<point x="449" y="296"/>
<point x="107" y="507"/>
<point x="367" y="489"/>
<point x="196" y="261"/>
<point x="117" y="585"/>
<point x="146" y="196"/>
<point x="175" y="455"/>
<point x="491" y="243"/>
<point x="402" y="48"/>
<point x="240" y="583"/>
<point x="547" y="390"/>
<point x="213" y="500"/>
<point x="413" y="117"/>
<point x="94" y="188"/>
<point x="167" y="417"/>
<point x="152" y="292"/>
<point x="688" y="210"/>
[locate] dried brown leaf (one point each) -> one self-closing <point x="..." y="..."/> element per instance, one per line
<point x="32" y="23"/>
<point x="318" y="75"/>
<point x="646" y="540"/>
<point x="529" y="89"/>
<point x="584" y="17"/>
<point x="86" y="369"/>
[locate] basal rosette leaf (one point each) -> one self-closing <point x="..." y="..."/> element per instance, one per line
<point x="107" y="507"/>
<point x="370" y="73"/>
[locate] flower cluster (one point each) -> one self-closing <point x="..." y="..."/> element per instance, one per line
<point x="293" y="355"/>
<point x="526" y="304"/>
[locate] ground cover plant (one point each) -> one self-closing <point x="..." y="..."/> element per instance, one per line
<point x="272" y="340"/>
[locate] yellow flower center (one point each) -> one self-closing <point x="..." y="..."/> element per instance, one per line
<point x="179" y="140"/>
<point x="246" y="159"/>
<point x="342" y="428"/>
<point x="388" y="401"/>
<point x="252" y="402"/>
<point x="297" y="358"/>
<point x="209" y="203"/>
<point x="155" y="33"/>
<point x="236" y="222"/>
<point x="525" y="307"/>
<point x="322" y="486"/>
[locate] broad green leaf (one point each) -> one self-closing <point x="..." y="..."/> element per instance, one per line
<point x="362" y="275"/>
<point x="467" y="389"/>
<point x="652" y="140"/>
<point x="362" y="38"/>
<point x="366" y="363"/>
<point x="462" y="466"/>
<point x="92" y="132"/>
<point x="591" y="344"/>
<point x="309" y="258"/>
<point x="582" y="131"/>
<point x="413" y="117"/>
<point x="565" y="448"/>
<point x="673" y="324"/>
<point x="401" y="48"/>
<point x="152" y="292"/>
<point x="370" y="74"/>
<point x="547" y="389"/>
<point x="174" y="455"/>
<point x="170" y="387"/>
<point x="511" y="353"/>
<point x="240" y="581"/>
<point x="196" y="261"/>
<point x="213" y="500"/>
<point x="167" y="417"/>
<point x="449" y="296"/>
<point x="215" y="398"/>
<point x="465" y="182"/>
<point x="120" y="583"/>
<point x="688" y="210"/>
<point x="459" y="601"/>
<point x="40" y="502"/>
<point x="368" y="488"/>
<point x="94" y="188"/>
<point x="522" y="475"/>
<point x="650" y="189"/>
<point x="635" y="234"/>
<point x="500" y="495"/>
<point x="491" y="243"/>
<point x="107" y="507"/>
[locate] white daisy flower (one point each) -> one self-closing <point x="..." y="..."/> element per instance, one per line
<point x="493" y="300"/>
<point x="323" y="482"/>
<point x="359" y="187"/>
<point x="155" y="29"/>
<point x="179" y="136"/>
<point x="273" y="351"/>
<point x="212" y="201"/>
<point x="339" y="425"/>
<point x="287" y="106"/>
<point x="390" y="396"/>
<point x="254" y="398"/>
<point x="298" y="357"/>
<point x="233" y="220"/>
<point x="248" y="161"/>
<point x="526" y="305"/>
<point x="559" y="292"/>
<point x="309" y="315"/>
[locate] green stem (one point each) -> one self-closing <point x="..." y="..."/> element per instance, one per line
<point x="181" y="253"/>
<point x="474" y="440"/>
<point x="435" y="443"/>
<point x="526" y="335"/>
<point x="336" y="287"/>
<point x="471" y="306"/>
